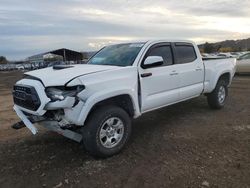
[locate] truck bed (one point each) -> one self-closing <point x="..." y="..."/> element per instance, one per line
<point x="215" y="67"/>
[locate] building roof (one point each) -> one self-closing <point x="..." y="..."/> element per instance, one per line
<point x="67" y="54"/>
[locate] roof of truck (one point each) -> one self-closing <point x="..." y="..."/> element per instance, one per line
<point x="170" y="40"/>
<point x="155" y="41"/>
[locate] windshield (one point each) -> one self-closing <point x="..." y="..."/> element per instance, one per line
<point x="117" y="55"/>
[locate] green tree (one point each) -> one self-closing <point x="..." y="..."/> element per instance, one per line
<point x="3" y="60"/>
<point x="208" y="48"/>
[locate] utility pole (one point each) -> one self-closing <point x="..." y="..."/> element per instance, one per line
<point x="64" y="55"/>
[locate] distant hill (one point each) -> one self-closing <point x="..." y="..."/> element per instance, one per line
<point x="226" y="46"/>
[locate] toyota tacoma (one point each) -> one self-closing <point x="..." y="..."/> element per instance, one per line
<point x="94" y="103"/>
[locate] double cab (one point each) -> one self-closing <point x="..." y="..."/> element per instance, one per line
<point x="94" y="103"/>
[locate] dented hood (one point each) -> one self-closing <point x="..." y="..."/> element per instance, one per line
<point x="60" y="76"/>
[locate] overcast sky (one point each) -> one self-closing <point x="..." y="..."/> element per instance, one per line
<point x="28" y="27"/>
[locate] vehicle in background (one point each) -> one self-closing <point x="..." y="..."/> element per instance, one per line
<point x="214" y="56"/>
<point x="235" y="54"/>
<point x="27" y="66"/>
<point x="20" y="67"/>
<point x="224" y="55"/>
<point x="206" y="55"/>
<point x="211" y="56"/>
<point x="51" y="64"/>
<point x="243" y="63"/>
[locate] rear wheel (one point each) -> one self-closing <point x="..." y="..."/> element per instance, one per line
<point x="217" y="98"/>
<point x="107" y="131"/>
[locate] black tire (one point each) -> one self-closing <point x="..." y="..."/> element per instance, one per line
<point x="91" y="131"/>
<point x="213" y="98"/>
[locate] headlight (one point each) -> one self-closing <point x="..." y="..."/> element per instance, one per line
<point x="60" y="93"/>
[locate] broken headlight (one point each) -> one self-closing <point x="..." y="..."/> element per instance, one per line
<point x="60" y="93"/>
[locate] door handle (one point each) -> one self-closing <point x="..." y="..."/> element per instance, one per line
<point x="198" y="69"/>
<point x="146" y="74"/>
<point x="173" y="73"/>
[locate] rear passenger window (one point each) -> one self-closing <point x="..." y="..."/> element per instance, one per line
<point x="165" y="52"/>
<point x="185" y="53"/>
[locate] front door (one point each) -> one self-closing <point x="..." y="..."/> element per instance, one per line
<point x="159" y="84"/>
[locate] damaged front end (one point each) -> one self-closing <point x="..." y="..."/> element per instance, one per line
<point x="34" y="103"/>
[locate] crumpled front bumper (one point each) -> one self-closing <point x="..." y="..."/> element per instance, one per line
<point x="25" y="120"/>
<point x="51" y="125"/>
<point x="45" y="103"/>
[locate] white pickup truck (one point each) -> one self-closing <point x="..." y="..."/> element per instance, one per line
<point x="94" y="103"/>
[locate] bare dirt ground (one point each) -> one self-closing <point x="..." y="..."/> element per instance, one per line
<point x="185" y="145"/>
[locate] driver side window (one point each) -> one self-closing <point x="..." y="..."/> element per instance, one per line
<point x="163" y="51"/>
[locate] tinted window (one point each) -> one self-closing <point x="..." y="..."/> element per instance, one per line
<point x="185" y="53"/>
<point x="165" y="52"/>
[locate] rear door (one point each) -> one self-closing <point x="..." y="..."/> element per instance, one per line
<point x="191" y="70"/>
<point x="159" y="84"/>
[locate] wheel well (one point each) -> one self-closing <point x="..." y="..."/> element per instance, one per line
<point x="225" y="77"/>
<point x="123" y="101"/>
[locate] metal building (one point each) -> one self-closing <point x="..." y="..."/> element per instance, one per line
<point x="62" y="54"/>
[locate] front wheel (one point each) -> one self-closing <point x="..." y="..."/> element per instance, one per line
<point x="217" y="98"/>
<point x="107" y="131"/>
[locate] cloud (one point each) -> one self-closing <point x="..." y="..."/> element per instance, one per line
<point x="28" y="27"/>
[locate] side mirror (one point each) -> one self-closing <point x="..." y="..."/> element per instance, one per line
<point x="153" y="61"/>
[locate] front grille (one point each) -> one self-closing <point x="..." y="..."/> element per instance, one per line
<point x="26" y="97"/>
